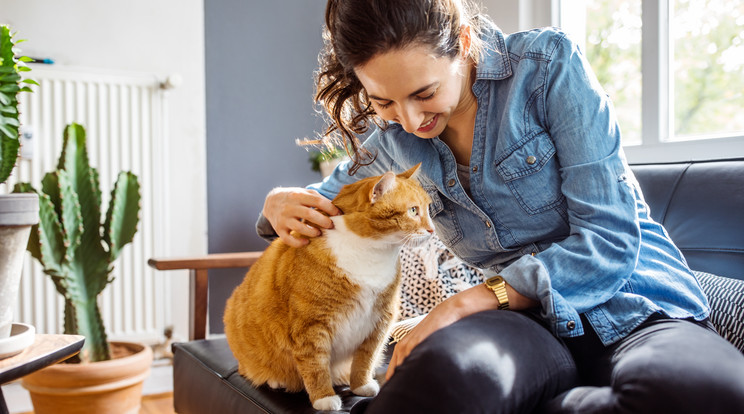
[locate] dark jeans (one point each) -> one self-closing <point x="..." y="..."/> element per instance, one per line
<point x="507" y="362"/>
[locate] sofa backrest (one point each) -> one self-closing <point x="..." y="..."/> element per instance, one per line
<point x="701" y="204"/>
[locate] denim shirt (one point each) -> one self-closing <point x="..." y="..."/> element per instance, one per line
<point x="552" y="206"/>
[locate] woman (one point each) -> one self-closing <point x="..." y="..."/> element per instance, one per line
<point x="596" y="309"/>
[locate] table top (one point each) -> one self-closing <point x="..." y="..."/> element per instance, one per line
<point x="46" y="350"/>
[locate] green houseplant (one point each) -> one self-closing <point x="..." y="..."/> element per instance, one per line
<point x="76" y="243"/>
<point x="11" y="84"/>
<point x="75" y="248"/>
<point x="325" y="157"/>
<point x="18" y="212"/>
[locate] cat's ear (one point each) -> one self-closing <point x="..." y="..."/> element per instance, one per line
<point x="386" y="183"/>
<point x="411" y="173"/>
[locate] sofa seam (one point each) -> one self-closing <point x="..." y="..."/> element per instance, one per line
<point x="673" y="193"/>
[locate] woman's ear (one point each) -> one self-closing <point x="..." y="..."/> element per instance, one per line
<point x="465" y="41"/>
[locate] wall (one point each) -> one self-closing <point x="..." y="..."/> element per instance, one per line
<point x="260" y="58"/>
<point x="162" y="37"/>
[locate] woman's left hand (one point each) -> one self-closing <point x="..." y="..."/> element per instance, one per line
<point x="444" y="314"/>
<point x="477" y="298"/>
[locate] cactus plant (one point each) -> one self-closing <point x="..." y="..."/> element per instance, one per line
<point x="72" y="244"/>
<point x="10" y="84"/>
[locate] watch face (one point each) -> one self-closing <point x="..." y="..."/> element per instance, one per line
<point x="494" y="281"/>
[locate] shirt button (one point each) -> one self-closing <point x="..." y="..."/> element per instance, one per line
<point x="488" y="224"/>
<point x="571" y="325"/>
<point x="531" y="160"/>
<point x="475" y="168"/>
<point x="451" y="182"/>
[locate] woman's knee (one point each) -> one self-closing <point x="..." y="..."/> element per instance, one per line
<point x="489" y="360"/>
<point x="695" y="372"/>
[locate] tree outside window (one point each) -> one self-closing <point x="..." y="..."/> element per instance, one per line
<point x="705" y="68"/>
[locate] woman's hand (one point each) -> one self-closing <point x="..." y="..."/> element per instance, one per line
<point x="444" y="314"/>
<point x="295" y="209"/>
<point x="475" y="299"/>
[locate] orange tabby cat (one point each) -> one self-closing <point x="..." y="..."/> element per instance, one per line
<point x="318" y="316"/>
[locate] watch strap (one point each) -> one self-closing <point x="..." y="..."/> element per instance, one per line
<point x="497" y="285"/>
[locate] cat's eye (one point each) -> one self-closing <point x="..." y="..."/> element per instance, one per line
<point x="413" y="211"/>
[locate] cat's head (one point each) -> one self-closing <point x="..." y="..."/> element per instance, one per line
<point x="393" y="208"/>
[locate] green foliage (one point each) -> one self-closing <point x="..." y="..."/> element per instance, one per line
<point x="707" y="44"/>
<point x="75" y="249"/>
<point x="326" y="154"/>
<point x="10" y="85"/>
<point x="708" y="40"/>
<point x="613" y="43"/>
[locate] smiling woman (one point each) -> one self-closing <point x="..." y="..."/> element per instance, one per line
<point x="428" y="96"/>
<point x="521" y="156"/>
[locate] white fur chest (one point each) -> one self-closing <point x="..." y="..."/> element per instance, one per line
<point x="369" y="263"/>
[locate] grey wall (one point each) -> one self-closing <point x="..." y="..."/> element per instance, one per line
<point x="260" y="59"/>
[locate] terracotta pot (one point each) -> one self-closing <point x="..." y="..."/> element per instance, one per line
<point x="106" y="387"/>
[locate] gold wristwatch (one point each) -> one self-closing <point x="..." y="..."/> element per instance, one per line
<point x="498" y="286"/>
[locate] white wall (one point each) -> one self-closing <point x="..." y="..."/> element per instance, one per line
<point x="516" y="15"/>
<point x="150" y="36"/>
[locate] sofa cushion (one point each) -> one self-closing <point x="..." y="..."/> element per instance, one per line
<point x="430" y="273"/>
<point x="206" y="380"/>
<point x="700" y="205"/>
<point x="726" y="297"/>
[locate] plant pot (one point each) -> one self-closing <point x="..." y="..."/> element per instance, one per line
<point x="327" y="167"/>
<point x="106" y="387"/>
<point x="18" y="212"/>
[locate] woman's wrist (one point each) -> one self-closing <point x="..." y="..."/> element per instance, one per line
<point x="473" y="300"/>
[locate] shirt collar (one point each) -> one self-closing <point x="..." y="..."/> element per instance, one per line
<point x="494" y="63"/>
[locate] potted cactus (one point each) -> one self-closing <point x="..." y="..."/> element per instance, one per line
<point x="18" y="212"/>
<point x="77" y="246"/>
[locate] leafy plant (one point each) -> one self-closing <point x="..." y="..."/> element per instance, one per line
<point x="326" y="154"/>
<point x="10" y="85"/>
<point x="72" y="244"/>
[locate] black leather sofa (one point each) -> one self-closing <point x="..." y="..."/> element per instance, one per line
<point x="701" y="204"/>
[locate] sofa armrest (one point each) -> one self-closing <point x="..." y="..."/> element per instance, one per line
<point x="198" y="268"/>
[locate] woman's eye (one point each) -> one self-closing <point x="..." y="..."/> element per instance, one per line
<point x="413" y="211"/>
<point x="384" y="105"/>
<point x="427" y="97"/>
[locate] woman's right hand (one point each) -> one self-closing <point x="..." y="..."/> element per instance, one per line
<point x="293" y="209"/>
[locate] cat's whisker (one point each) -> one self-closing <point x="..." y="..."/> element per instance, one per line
<point x="415" y="240"/>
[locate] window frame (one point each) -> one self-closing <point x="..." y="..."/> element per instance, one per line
<point x="657" y="102"/>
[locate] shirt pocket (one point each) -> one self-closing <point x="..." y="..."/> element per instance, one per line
<point x="531" y="172"/>
<point x="445" y="220"/>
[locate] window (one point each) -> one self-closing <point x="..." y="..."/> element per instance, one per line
<point x="673" y="68"/>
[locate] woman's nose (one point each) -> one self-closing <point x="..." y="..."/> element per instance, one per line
<point x="410" y="118"/>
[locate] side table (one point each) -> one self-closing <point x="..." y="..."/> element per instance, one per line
<point x="46" y="350"/>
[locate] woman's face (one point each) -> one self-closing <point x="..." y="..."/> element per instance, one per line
<point x="416" y="89"/>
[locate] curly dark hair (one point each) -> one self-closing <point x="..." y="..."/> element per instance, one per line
<point x="358" y="30"/>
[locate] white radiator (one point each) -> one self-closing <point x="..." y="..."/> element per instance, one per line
<point x="124" y="117"/>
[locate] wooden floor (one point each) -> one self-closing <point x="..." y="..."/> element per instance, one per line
<point x="157" y="404"/>
<point x="154" y="404"/>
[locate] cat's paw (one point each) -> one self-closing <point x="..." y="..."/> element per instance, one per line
<point x="330" y="403"/>
<point x="275" y="385"/>
<point x="369" y="389"/>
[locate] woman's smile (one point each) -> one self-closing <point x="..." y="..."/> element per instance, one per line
<point x="428" y="125"/>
